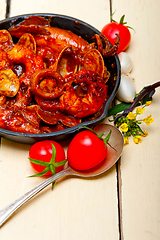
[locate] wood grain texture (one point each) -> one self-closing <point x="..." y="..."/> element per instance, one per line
<point x="96" y="13"/>
<point x="76" y="208"/>
<point x="140" y="164"/>
<point x="88" y="209"/>
<point x="2" y="9"/>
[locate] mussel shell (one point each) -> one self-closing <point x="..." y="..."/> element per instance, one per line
<point x="66" y="63"/>
<point x="93" y="60"/>
<point x="87" y="32"/>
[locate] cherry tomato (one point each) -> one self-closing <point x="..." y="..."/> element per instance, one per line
<point x="43" y="151"/>
<point x="86" y="150"/>
<point x="110" y="29"/>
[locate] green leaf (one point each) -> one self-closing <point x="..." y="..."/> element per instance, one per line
<point x="118" y="108"/>
<point x="106" y="140"/>
<point x="122" y="106"/>
<point x="122" y="20"/>
<point x="53" y="184"/>
<point x="50" y="166"/>
<point x="41" y="173"/>
<point x="52" y="169"/>
<point x="139" y="129"/>
<point x="58" y="164"/>
<point x="148" y="97"/>
<point x="108" y="136"/>
<point x="111" y="19"/>
<point x="129" y="27"/>
<point x="92" y="130"/>
<point x="101" y="135"/>
<point x="42" y="163"/>
<point x="112" y="146"/>
<point x="52" y="161"/>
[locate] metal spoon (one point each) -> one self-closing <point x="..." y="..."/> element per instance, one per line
<point x="116" y="141"/>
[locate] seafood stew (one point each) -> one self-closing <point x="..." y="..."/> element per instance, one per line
<point x="56" y="76"/>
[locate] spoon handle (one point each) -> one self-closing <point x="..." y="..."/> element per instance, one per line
<point x="6" y="212"/>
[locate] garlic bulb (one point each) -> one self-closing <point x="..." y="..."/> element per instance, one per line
<point x="126" y="63"/>
<point x="126" y="92"/>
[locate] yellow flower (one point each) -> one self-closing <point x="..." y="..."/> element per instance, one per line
<point x="148" y="120"/>
<point x="140" y="110"/>
<point x="148" y="103"/>
<point x="124" y="127"/>
<point x="126" y="141"/>
<point x="144" y="134"/>
<point x="131" y="116"/>
<point x="137" y="139"/>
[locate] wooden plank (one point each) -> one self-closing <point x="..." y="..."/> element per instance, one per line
<point x="76" y="208"/>
<point x="94" y="13"/>
<point x="2" y="9"/>
<point x="140" y="163"/>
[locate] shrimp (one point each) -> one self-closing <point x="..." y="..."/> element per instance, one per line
<point x="58" y="39"/>
<point x="51" y="78"/>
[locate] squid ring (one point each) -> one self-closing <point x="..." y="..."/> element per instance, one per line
<point x="47" y="92"/>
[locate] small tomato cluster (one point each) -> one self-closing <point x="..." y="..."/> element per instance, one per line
<point x="86" y="150"/>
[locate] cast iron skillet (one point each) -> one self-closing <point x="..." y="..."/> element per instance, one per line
<point x="113" y="65"/>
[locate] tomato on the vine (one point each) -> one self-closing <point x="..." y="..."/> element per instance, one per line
<point x="111" y="29"/>
<point x="47" y="157"/>
<point x="86" y="150"/>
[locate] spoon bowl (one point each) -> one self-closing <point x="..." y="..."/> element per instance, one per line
<point x="114" y="153"/>
<point x="116" y="141"/>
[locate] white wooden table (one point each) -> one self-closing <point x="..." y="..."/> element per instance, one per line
<point x="109" y="208"/>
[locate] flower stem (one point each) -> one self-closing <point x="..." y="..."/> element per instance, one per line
<point x="143" y="93"/>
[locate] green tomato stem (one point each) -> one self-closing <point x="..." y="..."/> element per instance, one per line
<point x="50" y="166"/>
<point x="105" y="140"/>
<point x="121" y="21"/>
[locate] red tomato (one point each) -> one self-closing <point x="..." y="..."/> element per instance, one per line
<point x="86" y="151"/>
<point x="110" y="29"/>
<point x="43" y="151"/>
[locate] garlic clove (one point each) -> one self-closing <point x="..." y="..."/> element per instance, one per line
<point x="126" y="92"/>
<point x="126" y="63"/>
